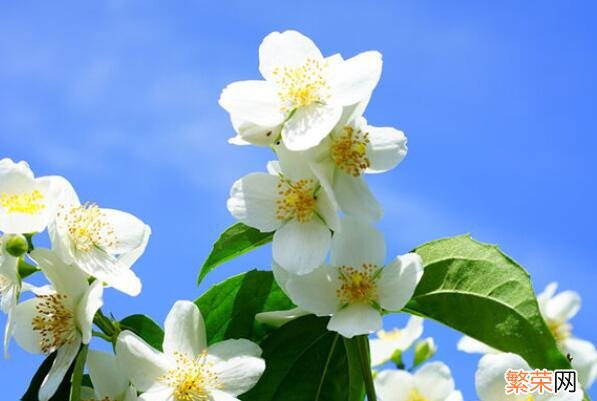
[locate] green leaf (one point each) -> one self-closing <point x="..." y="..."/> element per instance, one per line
<point x="229" y="308"/>
<point x="145" y="328"/>
<point x="63" y="391"/>
<point x="235" y="241"/>
<point x="480" y="291"/>
<point x="306" y="362"/>
<point x="77" y="376"/>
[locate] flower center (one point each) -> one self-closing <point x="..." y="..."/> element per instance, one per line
<point x="415" y="395"/>
<point x="349" y="151"/>
<point x="301" y="85"/>
<point x="87" y="227"/>
<point x="296" y="200"/>
<point x="389" y="335"/>
<point x="23" y="203"/>
<point x="559" y="329"/>
<point x="192" y="379"/>
<point x="358" y="286"/>
<point x="54" y="321"/>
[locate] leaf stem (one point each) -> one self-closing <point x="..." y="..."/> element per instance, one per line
<point x="77" y="376"/>
<point x="109" y="328"/>
<point x="364" y="358"/>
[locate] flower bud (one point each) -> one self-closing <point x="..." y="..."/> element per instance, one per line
<point x="16" y="245"/>
<point x="424" y="350"/>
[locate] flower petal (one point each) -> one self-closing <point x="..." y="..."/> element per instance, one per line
<point x="106" y="375"/>
<point x="386" y="148"/>
<point x="472" y="346"/>
<point x="105" y="267"/>
<point x="159" y="392"/>
<point x="131" y="233"/>
<point x="563" y="306"/>
<point x="301" y="247"/>
<point x="251" y="133"/>
<point x="286" y="49"/>
<point x="217" y="395"/>
<point x="584" y="359"/>
<point x="489" y="377"/>
<point x="143" y="364"/>
<point x="64" y="358"/>
<point x="23" y="332"/>
<point x="327" y="210"/>
<point x="280" y="318"/>
<point x="315" y="291"/>
<point x="86" y="309"/>
<point x="65" y="279"/>
<point x="239" y="374"/>
<point x="309" y="125"/>
<point x="394" y="385"/>
<point x="398" y="281"/>
<point x="357" y="242"/>
<point x="434" y="381"/>
<point x="184" y="330"/>
<point x="353" y="80"/>
<point x="256" y="102"/>
<point x="382" y="350"/>
<point x="355" y="198"/>
<point x="253" y="201"/>
<point x="354" y="320"/>
<point x="233" y="348"/>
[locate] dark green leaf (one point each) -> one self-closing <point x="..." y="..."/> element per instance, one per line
<point x="478" y="290"/>
<point x="229" y="308"/>
<point x="306" y="362"/>
<point x="235" y="241"/>
<point x="63" y="391"/>
<point x="77" y="375"/>
<point x="145" y="328"/>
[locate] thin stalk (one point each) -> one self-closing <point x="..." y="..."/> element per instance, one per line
<point x="110" y="329"/>
<point x="364" y="358"/>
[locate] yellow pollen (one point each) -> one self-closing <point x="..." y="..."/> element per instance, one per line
<point x="357" y="286"/>
<point x="193" y="379"/>
<point x="296" y="200"/>
<point x="389" y="335"/>
<point x="349" y="151"/>
<point x="87" y="227"/>
<point x="415" y="395"/>
<point x="23" y="203"/>
<point x="301" y="85"/>
<point x="559" y="329"/>
<point x="54" y="321"/>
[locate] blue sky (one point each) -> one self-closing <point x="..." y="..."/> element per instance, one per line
<point x="497" y="100"/>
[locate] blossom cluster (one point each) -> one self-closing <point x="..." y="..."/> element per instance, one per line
<point x="93" y="248"/>
<point x="328" y="256"/>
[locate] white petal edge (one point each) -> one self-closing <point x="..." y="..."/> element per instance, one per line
<point x="184" y="330"/>
<point x="354" y="320"/>
<point x="288" y="48"/>
<point x="308" y="125"/>
<point x="253" y="201"/>
<point x="386" y="149"/>
<point x="357" y="242"/>
<point x="398" y="281"/>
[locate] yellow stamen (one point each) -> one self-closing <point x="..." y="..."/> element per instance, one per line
<point x="23" y="203"/>
<point x="193" y="379"/>
<point x="296" y="200"/>
<point x="87" y="227"/>
<point x="349" y="151"/>
<point x="54" y="321"/>
<point x="301" y="85"/>
<point x="358" y="286"/>
<point x="394" y="334"/>
<point x="559" y="329"/>
<point x="415" y="395"/>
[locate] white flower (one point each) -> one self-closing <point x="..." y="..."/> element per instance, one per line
<point x="491" y="383"/>
<point x="188" y="369"/>
<point x="352" y="149"/>
<point x="356" y="285"/>
<point x="303" y="93"/>
<point x="10" y="287"/>
<point x="104" y="243"/>
<point x="432" y="382"/>
<point x="388" y="342"/>
<point x="26" y="203"/>
<point x="109" y="380"/>
<point x="59" y="320"/>
<point x="557" y="310"/>
<point x="289" y="201"/>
